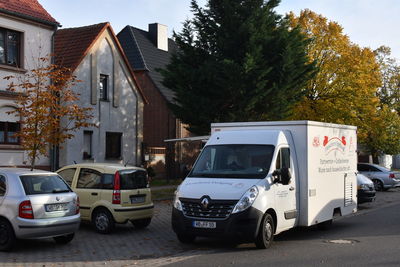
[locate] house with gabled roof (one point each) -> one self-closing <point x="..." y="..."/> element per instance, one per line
<point x="109" y="86"/>
<point x="148" y="51"/>
<point x="26" y="34"/>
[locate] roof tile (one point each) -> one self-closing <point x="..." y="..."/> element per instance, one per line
<point x="28" y="8"/>
<point x="72" y="44"/>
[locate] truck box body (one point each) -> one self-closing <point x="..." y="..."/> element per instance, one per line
<point x="327" y="165"/>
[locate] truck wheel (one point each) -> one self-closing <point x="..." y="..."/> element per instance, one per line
<point x="186" y="238"/>
<point x="103" y="221"/>
<point x="64" y="239"/>
<point x="326" y="225"/>
<point x="142" y="223"/>
<point x="265" y="235"/>
<point x="7" y="236"/>
<point x="378" y="185"/>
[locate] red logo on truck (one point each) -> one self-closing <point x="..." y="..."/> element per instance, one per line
<point x="334" y="144"/>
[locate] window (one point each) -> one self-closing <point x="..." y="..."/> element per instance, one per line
<point x="103" y="87"/>
<point x="89" y="178"/>
<point x="67" y="175"/>
<point x="43" y="184"/>
<point x="10" y="47"/>
<point x="283" y="159"/>
<point x="3" y="186"/>
<point x="113" y="145"/>
<point x="7" y="131"/>
<point x="87" y="144"/>
<point x="133" y="179"/>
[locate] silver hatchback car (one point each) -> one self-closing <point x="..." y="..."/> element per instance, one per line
<point x="36" y="204"/>
<point x="382" y="177"/>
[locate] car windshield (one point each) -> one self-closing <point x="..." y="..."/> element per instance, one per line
<point x="43" y="184"/>
<point x="234" y="161"/>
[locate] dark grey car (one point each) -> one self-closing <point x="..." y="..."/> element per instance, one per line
<point x="382" y="177"/>
<point x="36" y="204"/>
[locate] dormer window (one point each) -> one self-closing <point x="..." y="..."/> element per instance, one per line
<point x="103" y="87"/>
<point x="10" y="47"/>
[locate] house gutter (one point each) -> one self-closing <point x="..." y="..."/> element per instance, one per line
<point x="54" y="149"/>
<point x="42" y="21"/>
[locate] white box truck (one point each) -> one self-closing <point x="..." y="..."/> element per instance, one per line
<point x="253" y="180"/>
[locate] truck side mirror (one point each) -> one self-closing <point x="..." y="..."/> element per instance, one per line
<point x="285" y="176"/>
<point x="276" y="175"/>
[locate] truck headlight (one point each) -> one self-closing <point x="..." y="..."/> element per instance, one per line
<point x="247" y="200"/>
<point x="177" y="202"/>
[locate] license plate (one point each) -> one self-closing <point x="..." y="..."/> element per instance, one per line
<point x="135" y="200"/>
<point x="204" y="224"/>
<point x="56" y="207"/>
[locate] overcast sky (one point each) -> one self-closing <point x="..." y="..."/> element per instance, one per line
<point x="369" y="23"/>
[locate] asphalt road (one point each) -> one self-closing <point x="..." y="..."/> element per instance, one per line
<point x="367" y="239"/>
<point x="373" y="234"/>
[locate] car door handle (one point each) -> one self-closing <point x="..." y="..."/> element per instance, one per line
<point x="94" y="194"/>
<point x="291" y="188"/>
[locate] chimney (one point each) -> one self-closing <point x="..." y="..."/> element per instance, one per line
<point x="159" y="35"/>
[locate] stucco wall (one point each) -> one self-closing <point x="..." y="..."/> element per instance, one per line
<point x="36" y="42"/>
<point x="125" y="117"/>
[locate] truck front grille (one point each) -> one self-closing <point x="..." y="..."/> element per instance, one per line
<point x="216" y="209"/>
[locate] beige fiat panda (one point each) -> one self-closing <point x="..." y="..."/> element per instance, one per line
<point x="110" y="193"/>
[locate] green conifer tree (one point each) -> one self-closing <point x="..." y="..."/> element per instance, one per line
<point x="236" y="61"/>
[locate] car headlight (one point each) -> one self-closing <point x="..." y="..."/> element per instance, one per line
<point x="364" y="187"/>
<point x="177" y="202"/>
<point x="247" y="200"/>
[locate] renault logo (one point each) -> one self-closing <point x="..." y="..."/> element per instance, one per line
<point x="204" y="203"/>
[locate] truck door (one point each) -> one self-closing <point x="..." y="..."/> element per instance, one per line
<point x="285" y="194"/>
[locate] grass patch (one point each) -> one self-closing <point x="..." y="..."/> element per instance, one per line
<point x="161" y="182"/>
<point x="160" y="194"/>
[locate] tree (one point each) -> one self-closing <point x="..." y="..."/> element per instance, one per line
<point x="236" y="61"/>
<point x="44" y="98"/>
<point x="345" y="88"/>
<point x="389" y="91"/>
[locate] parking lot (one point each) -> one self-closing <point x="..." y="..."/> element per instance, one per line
<point x="154" y="246"/>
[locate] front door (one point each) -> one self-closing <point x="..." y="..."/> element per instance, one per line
<point x="285" y="194"/>
<point x="88" y="188"/>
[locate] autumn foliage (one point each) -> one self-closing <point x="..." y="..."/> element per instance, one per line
<point x="47" y="107"/>
<point x="345" y="88"/>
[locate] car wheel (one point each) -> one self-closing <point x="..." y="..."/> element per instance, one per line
<point x="64" y="239"/>
<point x="103" y="221"/>
<point x="186" y="238"/>
<point x="7" y="236"/>
<point x="141" y="223"/>
<point x="378" y="185"/>
<point x="265" y="235"/>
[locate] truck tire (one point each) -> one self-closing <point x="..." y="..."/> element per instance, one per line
<point x="103" y="221"/>
<point x="7" y="236"/>
<point x="326" y="225"/>
<point x="186" y="238"/>
<point x="265" y="235"/>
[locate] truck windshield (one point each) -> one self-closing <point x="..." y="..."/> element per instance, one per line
<point x="234" y="161"/>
